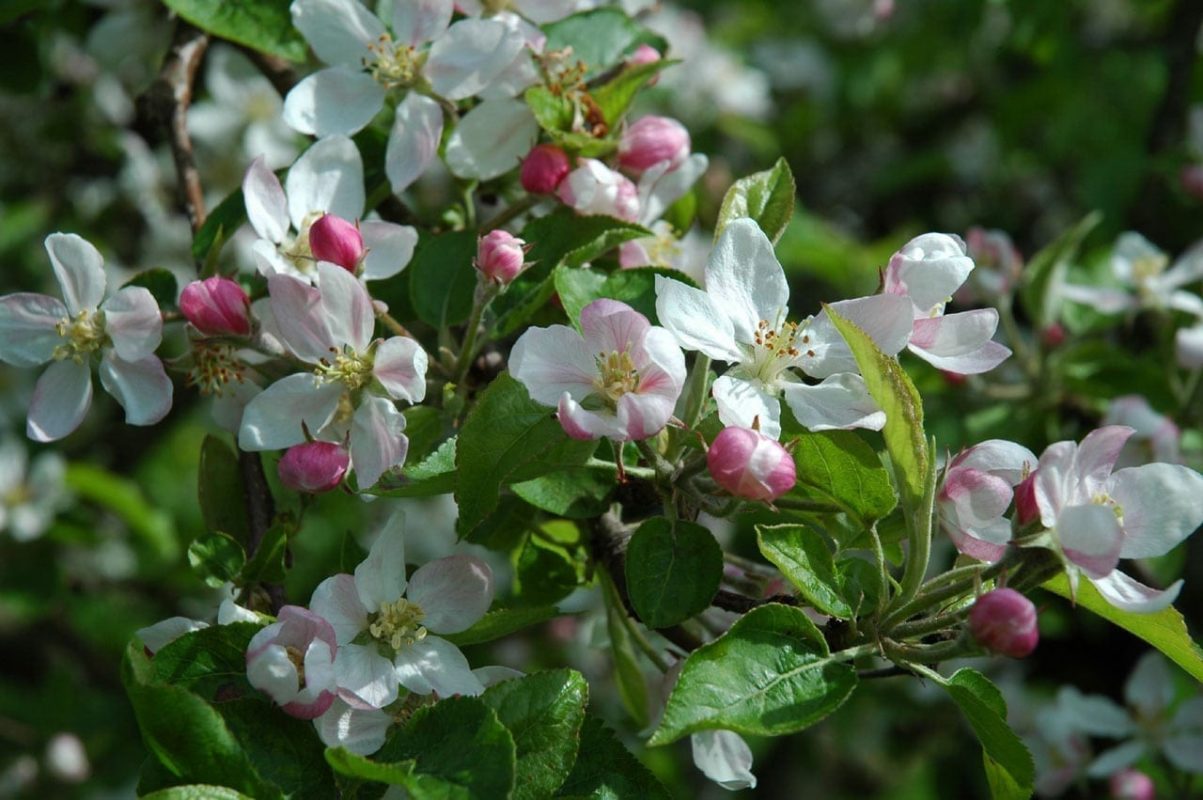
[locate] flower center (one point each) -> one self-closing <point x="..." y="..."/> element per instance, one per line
<point x="398" y="623"/>
<point x="1149" y="266"/>
<point x="298" y="251"/>
<point x="1103" y="499"/>
<point x="214" y="364"/>
<point x="393" y="64"/>
<point x="298" y="660"/>
<point x="664" y="250"/>
<point x="351" y="369"/>
<point x="82" y="335"/>
<point x="616" y="375"/>
<point x="16" y="496"/>
<point x="776" y="349"/>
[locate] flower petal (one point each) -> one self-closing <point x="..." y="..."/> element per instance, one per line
<point x="660" y="193"/>
<point x="339" y="31"/>
<point x="930" y="268"/>
<point x="133" y="321"/>
<point x="361" y="670"/>
<point x="271" y="671"/>
<point x="554" y="361"/>
<point x="278" y="416"/>
<point x="416" y="22"/>
<point x="141" y="387"/>
<point x="610" y="326"/>
<point x="390" y="247"/>
<point x="1114" y="759"/>
<point x="1150" y="687"/>
<point x="643" y="415"/>
<point x="380" y="578"/>
<point x="491" y="139"/>
<point x="1127" y="594"/>
<point x="725" y="758"/>
<point x="582" y="424"/>
<point x="60" y="400"/>
<point x="886" y="318"/>
<point x="1098" y="453"/>
<point x="1091" y="538"/>
<point x="400" y="366"/>
<point x="333" y="101"/>
<point x="1162" y="504"/>
<point x="745" y="279"/>
<point x="328" y="177"/>
<point x="839" y="402"/>
<point x="454" y="592"/>
<point x="361" y="731"/>
<point x="1010" y="461"/>
<point x="377" y="441"/>
<point x="748" y="405"/>
<point x="413" y="141"/>
<point x="266" y="205"/>
<point x="299" y="317"/>
<point x="435" y="665"/>
<point x="469" y="56"/>
<point x="155" y="637"/>
<point x="27" y="328"/>
<point x="79" y="268"/>
<point x="336" y="600"/>
<point x="696" y="319"/>
<point x="346" y="308"/>
<point x="960" y="343"/>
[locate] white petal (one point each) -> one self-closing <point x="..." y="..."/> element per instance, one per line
<point x="745" y="279"/>
<point x="610" y="326"/>
<point x="337" y="601"/>
<point x="339" y="31"/>
<point x="840" y="402"/>
<point x="1162" y="505"/>
<point x="659" y="194"/>
<point x="436" y="665"/>
<point x="960" y="342"/>
<point x="278" y="416"/>
<point x="931" y="267"/>
<point x="79" y="268"/>
<point x="346" y="308"/>
<point x="1007" y="460"/>
<point x="1127" y="594"/>
<point x="380" y="578"/>
<point x="887" y="319"/>
<point x="328" y="177"/>
<point x="133" y="321"/>
<point x="1102" y="299"/>
<point x="1184" y="745"/>
<point x="361" y="731"/>
<point x="1150" y="687"/>
<point x="491" y="676"/>
<point x="642" y="415"/>
<point x="553" y="361"/>
<point x="747" y="404"/>
<point x="299" y="317"/>
<point x="418" y="21"/>
<point x="272" y="671"/>
<point x="141" y="387"/>
<point x="491" y="139"/>
<point x="1116" y="758"/>
<point x="390" y="247"/>
<point x="60" y="400"/>
<point x="984" y="359"/>
<point x="725" y="758"/>
<point x="333" y="101"/>
<point x="1090" y="537"/>
<point x="1093" y="714"/>
<point x="361" y="670"/>
<point x="377" y="441"/>
<point x="696" y="319"/>
<point x="469" y="56"/>
<point x="27" y="333"/>
<point x="400" y="366"/>
<point x="1052" y="476"/>
<point x="454" y="592"/>
<point x="582" y="424"/>
<point x="413" y="141"/>
<point x="155" y="637"/>
<point x="266" y="206"/>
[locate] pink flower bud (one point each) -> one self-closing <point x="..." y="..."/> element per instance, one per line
<point x="651" y="140"/>
<point x="645" y="54"/>
<point x="1053" y="336"/>
<point x="1026" y="509"/>
<point x="749" y="464"/>
<point x="216" y="307"/>
<point x="313" y="467"/>
<point x="544" y="167"/>
<point x="1131" y="784"/>
<point x="500" y="256"/>
<point x="1004" y="621"/>
<point x="335" y="240"/>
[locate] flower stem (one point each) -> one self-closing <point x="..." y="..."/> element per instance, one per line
<point x="485" y="292"/>
<point x="919" y="532"/>
<point x="388" y="321"/>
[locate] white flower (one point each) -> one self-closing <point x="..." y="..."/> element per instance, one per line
<point x="30" y="497"/>
<point x="354" y="381"/>
<point x="292" y="661"/>
<point x="124" y="331"/>
<point x="326" y="179"/>
<point x="976" y="492"/>
<point x="740" y="318"/>
<point x="384" y="623"/>
<point x="1140" y="268"/>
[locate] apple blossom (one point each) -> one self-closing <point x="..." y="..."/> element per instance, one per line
<point x="1004" y="621"/>
<point x="1059" y="748"/>
<point x="544" y="168"/>
<point x="998" y="265"/>
<point x="749" y="464"/>
<point x="500" y="256"/>
<point x="975" y="494"/>
<point x="30" y="495"/>
<point x="292" y="661"/>
<point x="217" y="307"/>
<point x="928" y="270"/>
<point x="594" y="188"/>
<point x="1145" y="282"/>
<point x="740" y="318"/>
<point x="652" y="140"/>
<point x="123" y="330"/>
<point x="314" y="467"/>
<point x="354" y="381"/>
<point x="618" y="378"/>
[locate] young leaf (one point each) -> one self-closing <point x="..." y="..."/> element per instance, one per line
<point x="544" y="713"/>
<point x="636" y="287"/>
<point x="600" y="37"/>
<point x="552" y="111"/>
<point x="1046" y="269"/>
<point x="802" y="556"/>
<point x="615" y="96"/>
<point x="216" y="558"/>
<point x="841" y="467"/>
<point x="572" y="493"/>
<point x="219" y="488"/>
<point x="263" y="25"/>
<point x="606" y="770"/>
<point x="344" y="762"/>
<point x="442" y="280"/>
<point x="767" y="197"/>
<point x="207" y="661"/>
<point x="195" y="791"/>
<point x="545" y="571"/>
<point x="673" y="570"/>
<point x="228" y="216"/>
<point x="769" y="675"/>
<point x="433" y="475"/>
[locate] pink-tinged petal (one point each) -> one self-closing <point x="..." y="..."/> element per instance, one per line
<point x="339" y="31"/>
<point x="1162" y="504"/>
<point x="612" y="327"/>
<point x="1052" y="478"/>
<point x="327" y="178"/>
<point x="27" y="328"/>
<point x="1008" y="460"/>
<point x="377" y="440"/>
<point x="299" y="318"/>
<point x="1107" y="301"/>
<point x="643" y="415"/>
<point x="278" y="416"/>
<point x="413" y="141"/>
<point x="346" y="308"/>
<point x="1097" y="454"/>
<point x="1150" y="687"/>
<point x="469" y="56"/>
<point x="436" y="666"/>
<point x="491" y="139"/>
<point x="416" y="22"/>
<point x="748" y="405"/>
<point x="141" y="387"/>
<point x="400" y="366"/>
<point x="1184" y="745"/>
<point x="975" y="362"/>
<point x="337" y="601"/>
<point x="311" y="702"/>
<point x="977" y="497"/>
<point x="553" y="361"/>
<point x="583" y="425"/>
<point x="663" y="191"/>
<point x="745" y="279"/>
<point x="155" y="637"/>
<point x="60" y="400"/>
<point x="266" y="205"/>
<point x="133" y="322"/>
<point x="661" y="364"/>
<point x="839" y="402"/>
<point x="955" y="334"/>
<point x="361" y="731"/>
<point x="79" y="268"/>
<point x="886" y="318"/>
<point x="725" y="758"/>
<point x="455" y="592"/>
<point x="543" y="11"/>
<point x="696" y="319"/>
<point x="380" y="578"/>
<point x="1127" y="594"/>
<point x="271" y="671"/>
<point x="361" y="670"/>
<point x="390" y="247"/>
<point x="1091" y="538"/>
<point x="930" y="268"/>
<point x="987" y="542"/>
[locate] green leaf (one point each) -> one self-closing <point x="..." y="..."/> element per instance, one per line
<point x="573" y="493"/>
<point x="207" y="661"/>
<point x="673" y="570"/>
<point x="197" y="791"/>
<point x="600" y="38"/>
<point x="892" y="390"/>
<point x="124" y="498"/>
<point x="552" y="111"/>
<point x="219" y="226"/>
<point x="1165" y="629"/>
<point x="267" y="564"/>
<point x="216" y="559"/>
<point x="841" y="467"/>
<point x="1009" y="767"/>
<point x="544" y="713"/>
<point x="565" y="237"/>
<point x="1046" y="269"/>
<point x="160" y="283"/>
<point x="636" y="287"/>
<point x="545" y="571"/>
<point x="605" y="770"/>
<point x="508" y="438"/>
<point x="769" y="675"/>
<point x="766" y="197"/>
<point x="263" y="25"/>
<point x="803" y="558"/>
<point x="344" y="762"/>
<point x="502" y="622"/>
<point x="442" y="280"/>
<point x="632" y="688"/>
<point x="433" y="475"/>
<point x="283" y="749"/>
<point x="219" y="488"/>
<point x="583" y="144"/>
<point x="615" y="96"/>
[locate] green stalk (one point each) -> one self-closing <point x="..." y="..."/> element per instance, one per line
<point x="919" y="532"/>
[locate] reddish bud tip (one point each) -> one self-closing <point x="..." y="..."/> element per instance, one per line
<point x="645" y="54"/>
<point x="1026" y="508"/>
<point x="1131" y="784"/>
<point x="335" y="240"/>
<point x="751" y="465"/>
<point x="652" y="140"/>
<point x="544" y="168"/>
<point x="314" y="467"/>
<point x="1004" y="621"/>
<point x="217" y="307"/>
<point x="500" y="256"/>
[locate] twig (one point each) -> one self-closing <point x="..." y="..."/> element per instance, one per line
<point x="742" y="604"/>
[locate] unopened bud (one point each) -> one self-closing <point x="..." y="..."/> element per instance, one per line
<point x="500" y="256"/>
<point x="334" y="239"/>
<point x="1026" y="508"/>
<point x="217" y="307"/>
<point x="751" y="465"/>
<point x="544" y="168"/>
<point x="645" y="54"/>
<point x="1131" y="784"/>
<point x="1004" y="621"/>
<point x="314" y="467"/>
<point x="652" y="140"/>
